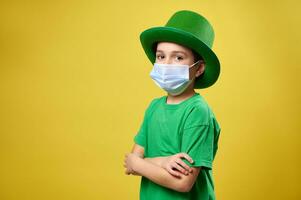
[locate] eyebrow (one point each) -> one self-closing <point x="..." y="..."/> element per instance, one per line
<point x="174" y="52"/>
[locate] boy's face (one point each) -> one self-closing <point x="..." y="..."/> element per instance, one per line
<point x="172" y="53"/>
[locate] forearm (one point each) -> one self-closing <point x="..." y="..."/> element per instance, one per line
<point x="157" y="174"/>
<point x="155" y="160"/>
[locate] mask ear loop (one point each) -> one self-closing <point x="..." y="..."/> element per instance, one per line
<point x="199" y="66"/>
<point x="195" y="63"/>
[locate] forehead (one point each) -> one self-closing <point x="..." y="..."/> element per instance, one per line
<point x="170" y="47"/>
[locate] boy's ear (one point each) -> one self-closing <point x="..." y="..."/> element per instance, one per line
<point x="200" y="70"/>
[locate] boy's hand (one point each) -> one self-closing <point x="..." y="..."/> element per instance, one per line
<point x="129" y="162"/>
<point x="175" y="166"/>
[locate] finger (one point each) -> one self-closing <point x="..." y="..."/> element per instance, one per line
<point x="184" y="165"/>
<point x="128" y="171"/>
<point x="179" y="168"/>
<point x="186" y="156"/>
<point x="173" y="172"/>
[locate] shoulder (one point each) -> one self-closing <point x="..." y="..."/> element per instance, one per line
<point x="152" y="104"/>
<point x="199" y="106"/>
<point x="198" y="112"/>
<point x="155" y="101"/>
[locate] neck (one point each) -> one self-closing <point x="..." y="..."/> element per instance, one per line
<point x="189" y="92"/>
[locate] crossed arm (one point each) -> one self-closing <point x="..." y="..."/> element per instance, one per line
<point x="157" y="170"/>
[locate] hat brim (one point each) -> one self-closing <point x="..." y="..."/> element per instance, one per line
<point x="150" y="37"/>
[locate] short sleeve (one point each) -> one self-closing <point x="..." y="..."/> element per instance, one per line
<point x="141" y="136"/>
<point x="197" y="142"/>
<point x="198" y="139"/>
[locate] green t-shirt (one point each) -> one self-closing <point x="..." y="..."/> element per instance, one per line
<point x="168" y="129"/>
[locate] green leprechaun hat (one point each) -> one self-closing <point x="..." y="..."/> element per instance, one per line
<point x="189" y="29"/>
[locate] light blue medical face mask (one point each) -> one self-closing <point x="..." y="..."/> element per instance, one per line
<point x="173" y="78"/>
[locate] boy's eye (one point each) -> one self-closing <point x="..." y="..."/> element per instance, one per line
<point x="179" y="57"/>
<point x="160" y="56"/>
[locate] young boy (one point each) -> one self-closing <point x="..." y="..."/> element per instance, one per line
<point x="178" y="139"/>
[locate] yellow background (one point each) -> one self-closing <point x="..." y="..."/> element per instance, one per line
<point x="75" y="83"/>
